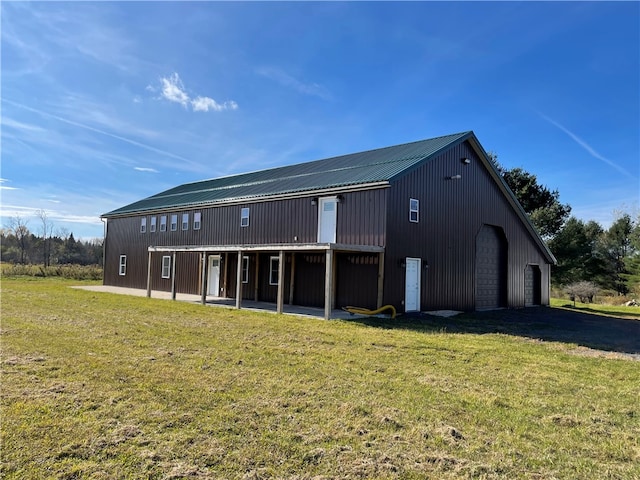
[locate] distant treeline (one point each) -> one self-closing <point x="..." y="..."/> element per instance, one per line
<point x="23" y="247"/>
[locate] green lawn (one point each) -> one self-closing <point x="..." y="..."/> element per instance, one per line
<point x="614" y="310"/>
<point x="105" y="386"/>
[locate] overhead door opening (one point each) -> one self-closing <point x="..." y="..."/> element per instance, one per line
<point x="491" y="268"/>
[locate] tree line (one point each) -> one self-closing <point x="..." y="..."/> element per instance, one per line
<point x="608" y="259"/>
<point x="48" y="246"/>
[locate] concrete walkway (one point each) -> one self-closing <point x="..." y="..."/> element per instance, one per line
<point x="224" y="302"/>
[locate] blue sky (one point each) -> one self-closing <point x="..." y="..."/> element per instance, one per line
<point x="107" y="103"/>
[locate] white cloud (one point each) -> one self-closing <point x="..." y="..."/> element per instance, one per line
<point x="145" y="169"/>
<point x="204" y="104"/>
<point x="174" y="90"/>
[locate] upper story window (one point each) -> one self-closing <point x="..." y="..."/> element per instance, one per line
<point x="274" y="266"/>
<point x="163" y="223"/>
<point x="122" y="269"/>
<point x="414" y="208"/>
<point x="174" y="222"/>
<point x="185" y="221"/>
<point x="197" y="220"/>
<point x="245" y="269"/>
<point x="152" y="227"/>
<point x="166" y="267"/>
<point x="143" y="225"/>
<point x="244" y="217"/>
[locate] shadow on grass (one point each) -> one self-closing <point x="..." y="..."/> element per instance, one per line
<point x="542" y="323"/>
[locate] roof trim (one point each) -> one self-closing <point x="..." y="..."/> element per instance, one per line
<point x="250" y="200"/>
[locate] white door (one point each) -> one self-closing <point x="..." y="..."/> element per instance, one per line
<point x="214" y="276"/>
<point x="412" y="285"/>
<point x="327" y="220"/>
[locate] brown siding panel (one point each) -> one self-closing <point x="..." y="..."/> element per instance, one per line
<point x="452" y="212"/>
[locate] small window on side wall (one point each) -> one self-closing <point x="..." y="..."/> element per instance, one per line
<point x="185" y="221"/>
<point x="273" y="270"/>
<point x="122" y="269"/>
<point x="197" y="220"/>
<point x="244" y="217"/>
<point x="414" y="208"/>
<point x="174" y="222"/>
<point x="152" y="227"/>
<point x="143" y="225"/>
<point x="163" y="223"/>
<point x="166" y="267"/>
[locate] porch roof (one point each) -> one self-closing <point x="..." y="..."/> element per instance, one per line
<point x="273" y="247"/>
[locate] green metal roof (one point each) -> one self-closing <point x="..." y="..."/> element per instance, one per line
<point x="361" y="168"/>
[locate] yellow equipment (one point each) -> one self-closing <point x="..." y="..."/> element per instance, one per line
<point x="366" y="311"/>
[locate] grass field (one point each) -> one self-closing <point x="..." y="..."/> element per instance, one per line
<point x="105" y="386"/>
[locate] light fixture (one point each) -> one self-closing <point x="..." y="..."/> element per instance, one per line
<point x="466" y="161"/>
<point x="455" y="177"/>
<point x="339" y="198"/>
<point x="314" y="201"/>
<point x="402" y="263"/>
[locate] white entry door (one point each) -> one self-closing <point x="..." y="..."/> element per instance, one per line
<point x="327" y="220"/>
<point x="214" y="275"/>
<point x="412" y="285"/>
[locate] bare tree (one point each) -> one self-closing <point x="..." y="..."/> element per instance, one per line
<point x="47" y="234"/>
<point x="19" y="228"/>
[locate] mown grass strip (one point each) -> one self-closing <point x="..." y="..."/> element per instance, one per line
<point x="106" y="386"/>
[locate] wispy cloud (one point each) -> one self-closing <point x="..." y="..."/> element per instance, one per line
<point x="96" y="130"/>
<point x="145" y="169"/>
<point x="286" y="80"/>
<point x="5" y="187"/>
<point x="586" y="146"/>
<point x="173" y="90"/>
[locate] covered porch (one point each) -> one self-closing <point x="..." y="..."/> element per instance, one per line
<point x="327" y="250"/>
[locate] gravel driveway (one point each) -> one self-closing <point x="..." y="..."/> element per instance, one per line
<point x="594" y="334"/>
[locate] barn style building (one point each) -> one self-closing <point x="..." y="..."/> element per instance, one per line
<point x="428" y="225"/>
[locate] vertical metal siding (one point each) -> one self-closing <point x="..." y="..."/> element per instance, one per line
<point x="452" y="213"/>
<point x="361" y="220"/>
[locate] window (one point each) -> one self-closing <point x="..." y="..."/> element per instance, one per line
<point x="143" y="225"/>
<point x="414" y="207"/>
<point x="244" y="217"/>
<point x="197" y="220"/>
<point x="273" y="271"/>
<point x="245" y="269"/>
<point x="152" y="228"/>
<point x="174" y="222"/>
<point x="166" y="267"/>
<point x="185" y="221"/>
<point x="123" y="265"/>
<point x="163" y="223"/>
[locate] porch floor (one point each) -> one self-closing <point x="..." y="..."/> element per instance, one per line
<point x="224" y="302"/>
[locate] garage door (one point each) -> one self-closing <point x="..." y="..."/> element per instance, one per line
<point x="532" y="285"/>
<point x="490" y="268"/>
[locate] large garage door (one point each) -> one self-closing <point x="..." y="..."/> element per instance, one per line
<point x="491" y="265"/>
<point x="532" y="285"/>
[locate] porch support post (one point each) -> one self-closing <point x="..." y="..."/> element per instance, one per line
<point x="380" y="279"/>
<point x="328" y="284"/>
<point x="173" y="276"/>
<point x="204" y="278"/>
<point x="239" y="280"/>
<point x="256" y="287"/>
<point x="281" y="266"/>
<point x="292" y="280"/>
<point x="149" y="276"/>
<point x="225" y="260"/>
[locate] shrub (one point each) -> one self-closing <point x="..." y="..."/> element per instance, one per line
<point x="585" y="291"/>
<point x="74" y="272"/>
